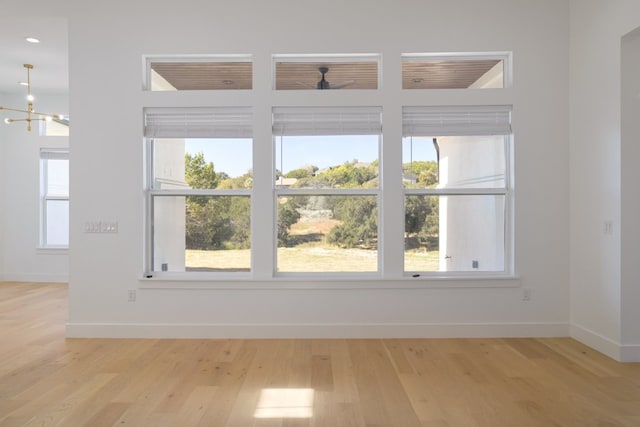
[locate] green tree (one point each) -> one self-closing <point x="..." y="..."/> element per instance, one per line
<point x="359" y="227"/>
<point x="215" y="222"/>
<point x="288" y="215"/>
<point x="198" y="173"/>
<point x="305" y="172"/>
<point x="426" y="173"/>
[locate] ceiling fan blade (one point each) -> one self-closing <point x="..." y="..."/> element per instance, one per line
<point x="343" y="84"/>
<point x="306" y="85"/>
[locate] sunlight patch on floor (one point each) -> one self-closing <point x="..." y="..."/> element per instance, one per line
<point x="285" y="403"/>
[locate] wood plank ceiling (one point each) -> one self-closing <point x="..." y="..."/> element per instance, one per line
<point x="290" y="75"/>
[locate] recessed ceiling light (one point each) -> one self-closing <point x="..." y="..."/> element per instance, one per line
<point x="32" y="40"/>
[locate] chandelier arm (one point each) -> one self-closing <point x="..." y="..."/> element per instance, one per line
<point x="28" y="120"/>
<point x="17" y="110"/>
<point x="28" y="112"/>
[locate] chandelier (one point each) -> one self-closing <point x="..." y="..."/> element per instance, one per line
<point x="30" y="114"/>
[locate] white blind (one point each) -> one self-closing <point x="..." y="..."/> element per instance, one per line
<point x="452" y="121"/>
<point x="215" y="122"/>
<point x="298" y="121"/>
<point x="54" y="153"/>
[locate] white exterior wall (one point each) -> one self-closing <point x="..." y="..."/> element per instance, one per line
<point x="20" y="256"/>
<point x="464" y="238"/>
<point x="604" y="301"/>
<point x="169" y="225"/>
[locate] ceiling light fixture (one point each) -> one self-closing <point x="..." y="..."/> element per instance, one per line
<point x="33" y="115"/>
<point x="32" y="40"/>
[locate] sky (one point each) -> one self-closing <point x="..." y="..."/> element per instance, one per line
<point x="234" y="156"/>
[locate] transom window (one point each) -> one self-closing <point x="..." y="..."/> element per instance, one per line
<point x="326" y="72"/>
<point x="455" y="71"/>
<point x="199" y="73"/>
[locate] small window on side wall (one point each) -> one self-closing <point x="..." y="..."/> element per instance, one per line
<point x="54" y="198"/>
<point x="199" y="73"/>
<point x="455" y="71"/>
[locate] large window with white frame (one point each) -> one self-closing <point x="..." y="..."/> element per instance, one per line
<point x="199" y="188"/>
<point x="329" y="212"/>
<point x="54" y="198"/>
<point x="327" y="190"/>
<point x="457" y="189"/>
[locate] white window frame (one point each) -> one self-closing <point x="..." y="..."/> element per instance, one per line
<point x="188" y="122"/>
<point x="47" y="154"/>
<point x="434" y="121"/>
<point x="264" y="98"/>
<point x="349" y="128"/>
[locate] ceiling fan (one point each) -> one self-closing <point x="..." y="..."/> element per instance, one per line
<point x="323" y="83"/>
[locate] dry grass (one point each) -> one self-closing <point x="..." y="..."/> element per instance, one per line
<point x="308" y="258"/>
<point x="315" y="256"/>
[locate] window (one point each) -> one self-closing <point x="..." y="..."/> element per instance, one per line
<point x="455" y="71"/>
<point x="326" y="72"/>
<point x="329" y="200"/>
<point x="327" y="189"/>
<point x="55" y="127"/>
<point x="456" y="179"/>
<point x="199" y="189"/>
<point x="54" y="198"/>
<point x="199" y="73"/>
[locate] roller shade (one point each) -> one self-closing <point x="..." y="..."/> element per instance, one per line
<point x="292" y="121"/>
<point x="454" y="121"/>
<point x="218" y="122"/>
<point x="54" y="154"/>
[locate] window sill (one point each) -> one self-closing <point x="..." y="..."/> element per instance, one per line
<point x="246" y="282"/>
<point x="52" y="251"/>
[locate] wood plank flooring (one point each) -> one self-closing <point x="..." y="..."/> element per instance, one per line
<point x="47" y="380"/>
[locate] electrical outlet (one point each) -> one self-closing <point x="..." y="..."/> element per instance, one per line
<point x="132" y="295"/>
<point x="526" y="295"/>
<point x="608" y="227"/>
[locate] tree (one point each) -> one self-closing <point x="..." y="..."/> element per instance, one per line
<point x="421" y="221"/>
<point x="215" y="222"/>
<point x="288" y="215"/>
<point x="305" y="172"/>
<point x="359" y="228"/>
<point x="199" y="173"/>
<point x="426" y="173"/>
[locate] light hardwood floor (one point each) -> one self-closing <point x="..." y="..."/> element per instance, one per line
<point x="47" y="380"/>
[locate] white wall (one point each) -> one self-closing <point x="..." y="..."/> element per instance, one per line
<point x="597" y="288"/>
<point x="107" y="41"/>
<point x="630" y="215"/>
<point x="20" y="258"/>
<point x="3" y="143"/>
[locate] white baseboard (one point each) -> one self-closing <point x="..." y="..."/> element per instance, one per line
<point x="39" y="278"/>
<point x="630" y="353"/>
<point x="607" y="346"/>
<point x="265" y="331"/>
